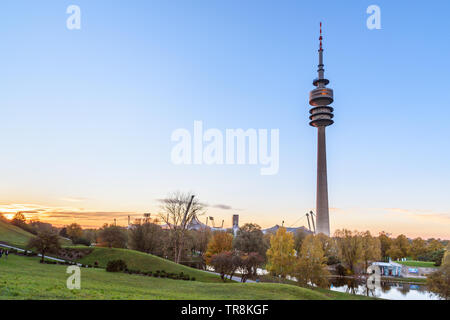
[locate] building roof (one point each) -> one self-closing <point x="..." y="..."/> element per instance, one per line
<point x="292" y="230"/>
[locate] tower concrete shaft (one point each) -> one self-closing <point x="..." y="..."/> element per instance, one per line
<point x="322" y="214"/>
<point x="321" y="117"/>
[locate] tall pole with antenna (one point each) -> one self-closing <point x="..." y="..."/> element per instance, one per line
<point x="321" y="117"/>
<point x="312" y="219"/>
<point x="309" y="225"/>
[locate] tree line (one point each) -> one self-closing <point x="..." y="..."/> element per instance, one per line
<point x="302" y="256"/>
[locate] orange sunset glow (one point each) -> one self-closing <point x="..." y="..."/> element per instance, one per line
<point x="413" y="223"/>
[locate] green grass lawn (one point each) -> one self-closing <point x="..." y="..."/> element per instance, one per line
<point x="408" y="280"/>
<point x="137" y="260"/>
<point x="13" y="235"/>
<point x="420" y="264"/>
<point x="25" y="278"/>
<point x="17" y="237"/>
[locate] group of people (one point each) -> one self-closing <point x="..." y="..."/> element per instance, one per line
<point x="4" y="252"/>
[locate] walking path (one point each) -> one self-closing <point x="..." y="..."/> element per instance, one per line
<point x="235" y="278"/>
<point x="39" y="255"/>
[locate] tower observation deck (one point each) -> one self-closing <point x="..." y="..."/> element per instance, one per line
<point x="321" y="117"/>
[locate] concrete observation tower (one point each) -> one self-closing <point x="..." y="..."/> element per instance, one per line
<point x="321" y="117"/>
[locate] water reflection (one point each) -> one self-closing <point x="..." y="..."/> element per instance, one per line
<point x="386" y="290"/>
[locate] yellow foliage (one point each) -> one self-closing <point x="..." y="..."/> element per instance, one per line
<point x="220" y="242"/>
<point x="281" y="254"/>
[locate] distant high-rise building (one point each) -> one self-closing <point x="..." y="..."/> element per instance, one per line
<point x="235" y="223"/>
<point x="321" y="117"/>
<point x="235" y="220"/>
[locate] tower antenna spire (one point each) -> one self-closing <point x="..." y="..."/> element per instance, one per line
<point x="320" y="38"/>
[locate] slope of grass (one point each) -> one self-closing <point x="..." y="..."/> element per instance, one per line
<point x="137" y="260"/>
<point x="17" y="237"/>
<point x="420" y="264"/>
<point x="13" y="235"/>
<point x="25" y="278"/>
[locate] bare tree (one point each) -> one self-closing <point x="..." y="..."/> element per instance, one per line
<point x="44" y="242"/>
<point x="178" y="211"/>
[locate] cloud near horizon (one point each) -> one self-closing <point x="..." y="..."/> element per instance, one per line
<point x="206" y="205"/>
<point x="66" y="215"/>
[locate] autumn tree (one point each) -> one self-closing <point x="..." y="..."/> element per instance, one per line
<point x="299" y="236"/>
<point x="250" y="238"/>
<point x="74" y="231"/>
<point x="281" y="254"/>
<point x="249" y="264"/>
<point x="439" y="281"/>
<point x="91" y="235"/>
<point x="385" y="243"/>
<point x="36" y="226"/>
<point x="446" y="259"/>
<point x="63" y="232"/>
<point x="226" y="263"/>
<point x="44" y="242"/>
<point x="200" y="240"/>
<point x="350" y="248"/>
<point x="146" y="237"/>
<point x="178" y="211"/>
<point x="400" y="248"/>
<point x="371" y="248"/>
<point x="329" y="248"/>
<point x="113" y="236"/>
<point x="418" y="248"/>
<point x="434" y="245"/>
<point x="311" y="267"/>
<point x="20" y="221"/>
<point x="220" y="242"/>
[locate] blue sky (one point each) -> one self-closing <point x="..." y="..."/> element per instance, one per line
<point x="87" y="115"/>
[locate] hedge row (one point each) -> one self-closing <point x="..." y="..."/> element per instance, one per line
<point x="121" y="266"/>
<point x="69" y="263"/>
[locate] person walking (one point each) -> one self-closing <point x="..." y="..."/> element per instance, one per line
<point x="1" y="253"/>
<point x="6" y="254"/>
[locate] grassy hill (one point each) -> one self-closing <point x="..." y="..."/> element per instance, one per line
<point x="13" y="235"/>
<point x="17" y="237"/>
<point x="137" y="260"/>
<point x="25" y="278"/>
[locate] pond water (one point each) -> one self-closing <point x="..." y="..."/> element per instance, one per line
<point x="390" y="290"/>
<point x="387" y="289"/>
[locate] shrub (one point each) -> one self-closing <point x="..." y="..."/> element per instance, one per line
<point x="332" y="260"/>
<point x="82" y="241"/>
<point x="116" y="266"/>
<point x="341" y="270"/>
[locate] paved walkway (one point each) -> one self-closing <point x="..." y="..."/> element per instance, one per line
<point x="39" y="255"/>
<point x="235" y="278"/>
